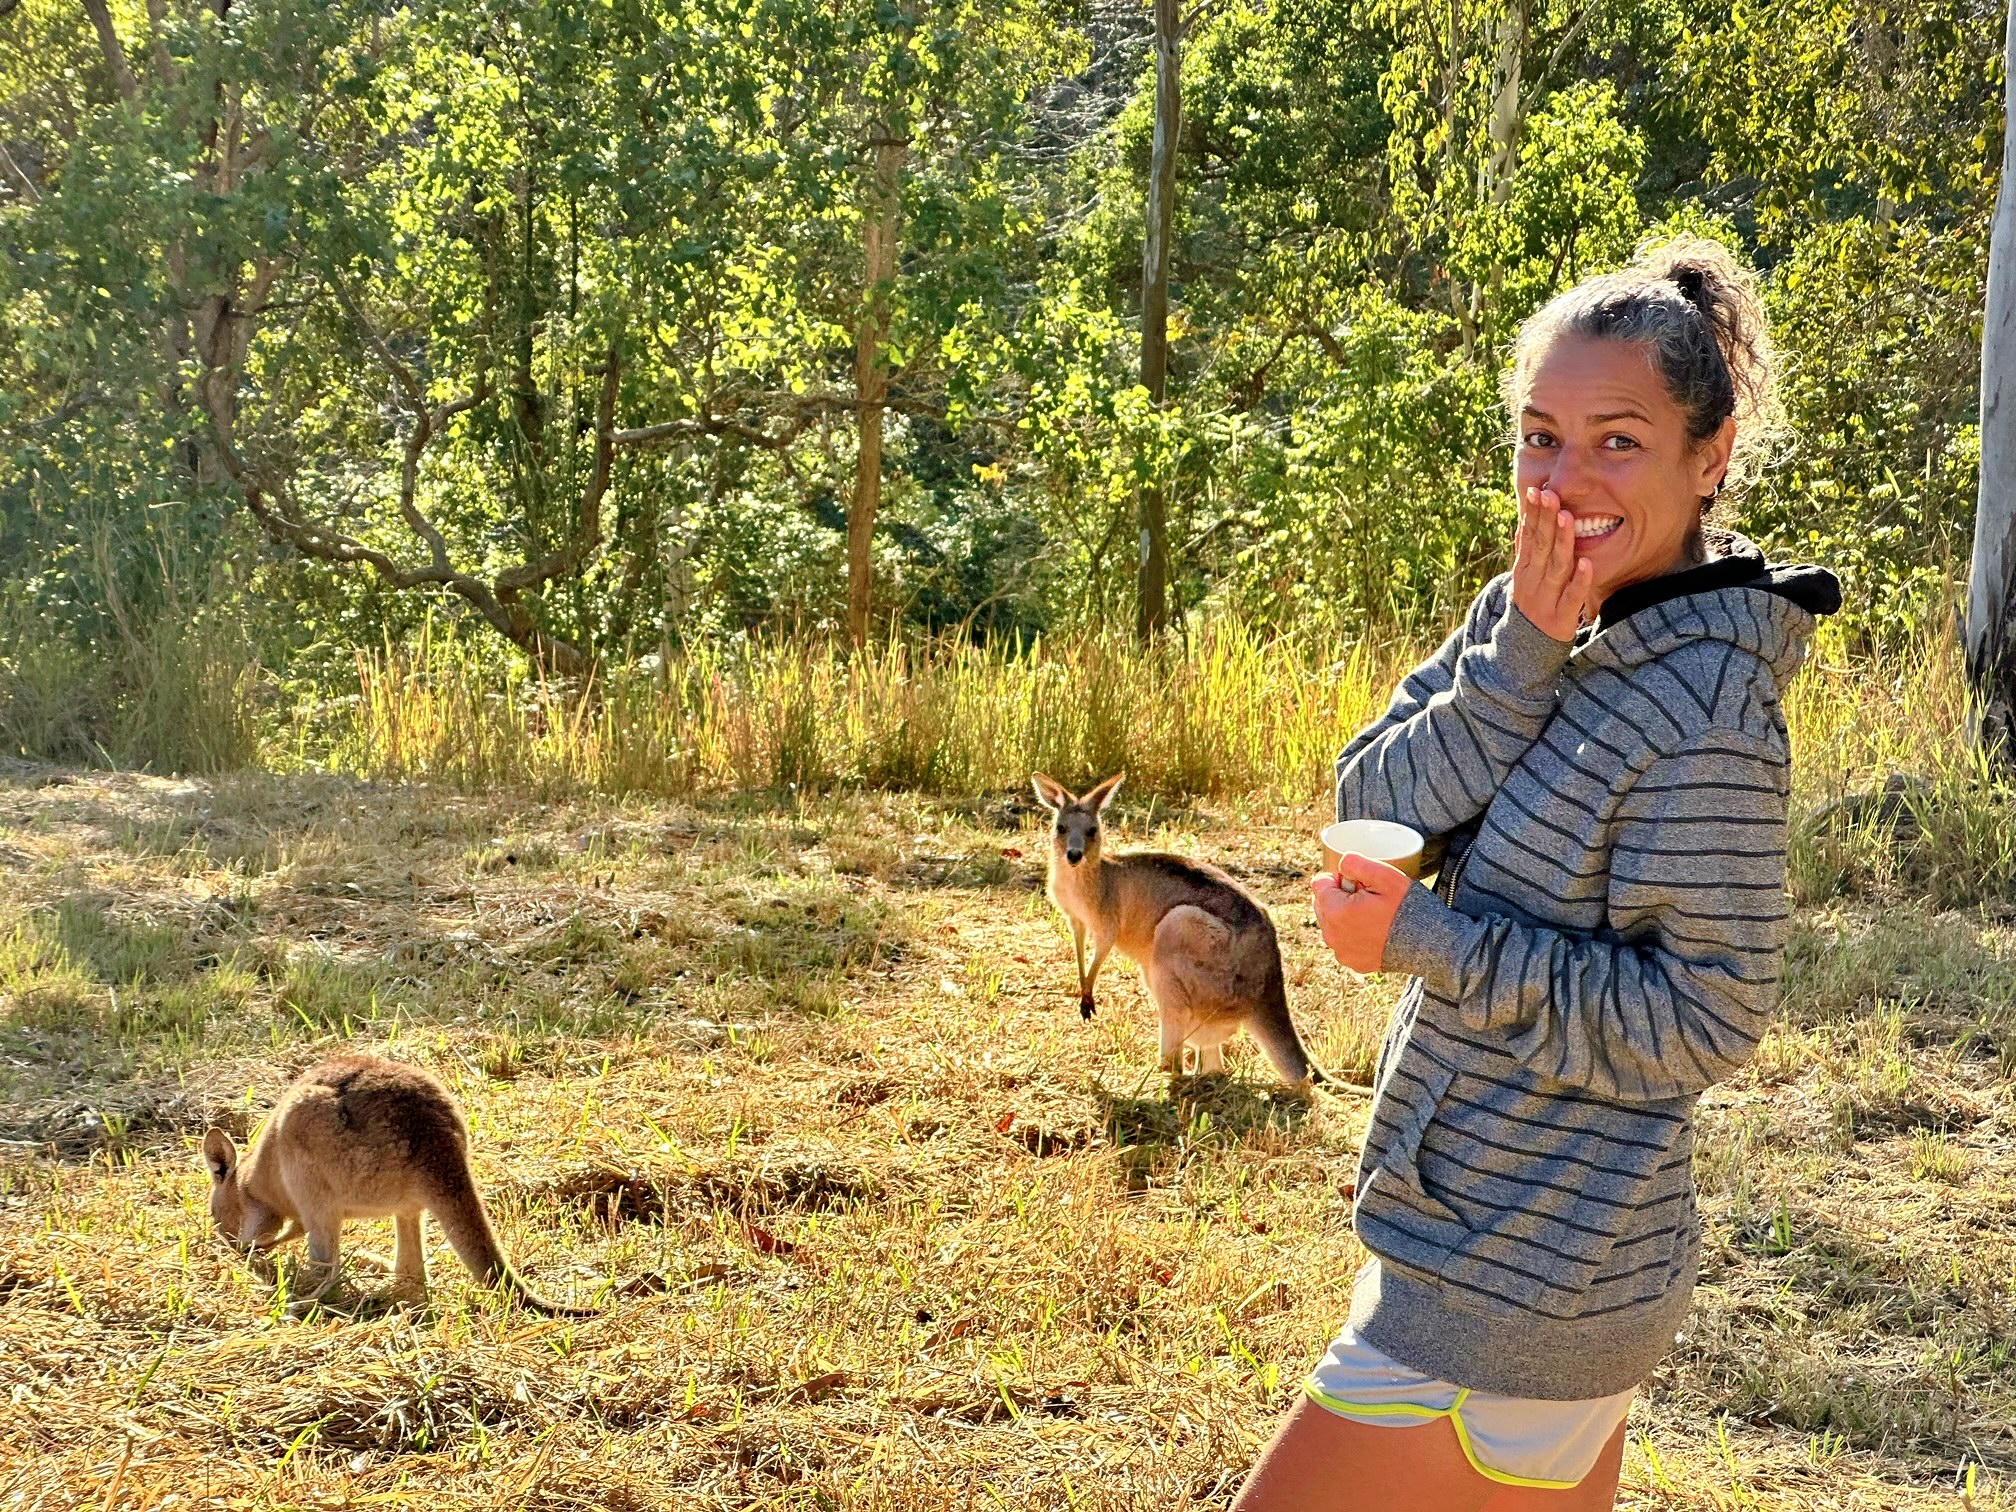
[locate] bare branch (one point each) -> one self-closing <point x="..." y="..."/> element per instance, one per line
<point x="416" y="397"/>
<point x="705" y="425"/>
<point x="108" y="43"/>
<point x="1561" y="48"/>
<point x="164" y="66"/>
<point x="1200" y="13"/>
<point x="20" y="180"/>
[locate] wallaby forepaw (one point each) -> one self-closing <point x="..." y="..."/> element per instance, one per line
<point x="1086" y="1008"/>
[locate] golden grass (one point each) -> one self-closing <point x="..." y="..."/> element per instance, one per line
<point x="1231" y="710"/>
<point x="799" y="1093"/>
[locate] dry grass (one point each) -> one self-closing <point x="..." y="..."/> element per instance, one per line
<point x="801" y="1096"/>
<point x="1233" y="709"/>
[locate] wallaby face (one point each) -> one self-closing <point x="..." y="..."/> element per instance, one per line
<point x="1075" y="836"/>
<point x="243" y="1224"/>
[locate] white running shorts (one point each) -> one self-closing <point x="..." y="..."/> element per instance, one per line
<point x="1517" y="1441"/>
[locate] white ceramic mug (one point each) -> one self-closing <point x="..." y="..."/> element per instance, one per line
<point x="1375" y="839"/>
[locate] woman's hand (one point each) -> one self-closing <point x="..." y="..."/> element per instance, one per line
<point x="1550" y="585"/>
<point x="1355" y="924"/>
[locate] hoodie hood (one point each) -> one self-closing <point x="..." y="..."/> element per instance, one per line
<point x="1735" y="596"/>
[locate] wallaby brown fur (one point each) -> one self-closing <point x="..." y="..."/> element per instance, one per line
<point x="1204" y="944"/>
<point x="357" y="1136"/>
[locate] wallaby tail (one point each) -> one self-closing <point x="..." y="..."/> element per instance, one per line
<point x="463" y="1220"/>
<point x="1274" y="1030"/>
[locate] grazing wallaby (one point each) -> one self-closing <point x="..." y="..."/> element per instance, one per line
<point x="356" y="1136"/>
<point x="1204" y="944"/>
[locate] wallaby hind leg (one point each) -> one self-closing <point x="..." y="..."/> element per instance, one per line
<point x="1184" y="970"/>
<point x="409" y="1259"/>
<point x="1172" y="1029"/>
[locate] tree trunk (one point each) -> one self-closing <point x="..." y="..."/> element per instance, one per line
<point x="1151" y="602"/>
<point x="1991" y="666"/>
<point x="871" y="378"/>
<point x="1502" y="129"/>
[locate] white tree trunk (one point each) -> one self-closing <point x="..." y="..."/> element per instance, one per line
<point x="1991" y="647"/>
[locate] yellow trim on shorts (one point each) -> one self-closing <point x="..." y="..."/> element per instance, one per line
<point x="1451" y="1412"/>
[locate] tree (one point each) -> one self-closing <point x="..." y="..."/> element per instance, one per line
<point x="1172" y="28"/>
<point x="1991" y="597"/>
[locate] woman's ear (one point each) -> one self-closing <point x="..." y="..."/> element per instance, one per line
<point x="1711" y="459"/>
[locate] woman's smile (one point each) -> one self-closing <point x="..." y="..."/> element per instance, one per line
<point x="1592" y="528"/>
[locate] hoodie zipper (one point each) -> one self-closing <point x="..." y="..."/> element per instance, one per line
<point x="1453" y="878"/>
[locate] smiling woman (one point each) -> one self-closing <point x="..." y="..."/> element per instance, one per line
<point x="1598" y="758"/>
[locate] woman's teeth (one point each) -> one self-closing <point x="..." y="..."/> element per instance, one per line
<point x="1589" y="526"/>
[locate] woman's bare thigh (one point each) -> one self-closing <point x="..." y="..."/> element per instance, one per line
<point x="1320" y="1461"/>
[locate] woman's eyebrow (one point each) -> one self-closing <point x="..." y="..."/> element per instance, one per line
<point x="1623" y="414"/>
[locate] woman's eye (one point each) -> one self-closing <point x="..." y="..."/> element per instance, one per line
<point x="1620" y="443"/>
<point x="1537" y="438"/>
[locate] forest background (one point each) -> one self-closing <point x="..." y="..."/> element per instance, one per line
<point x="568" y="338"/>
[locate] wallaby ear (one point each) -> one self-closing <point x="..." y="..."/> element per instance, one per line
<point x="1102" y="795"/>
<point x="1049" y="791"/>
<point x="220" y="1155"/>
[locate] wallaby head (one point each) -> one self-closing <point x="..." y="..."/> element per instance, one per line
<point x="1076" y="836"/>
<point x="238" y="1220"/>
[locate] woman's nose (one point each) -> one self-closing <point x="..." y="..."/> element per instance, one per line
<point x="1569" y="472"/>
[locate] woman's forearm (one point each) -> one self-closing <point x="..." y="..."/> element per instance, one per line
<point x="1458" y="725"/>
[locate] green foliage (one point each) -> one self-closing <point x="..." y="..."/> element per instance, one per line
<point x="550" y="311"/>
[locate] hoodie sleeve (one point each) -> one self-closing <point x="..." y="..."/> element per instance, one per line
<point x="1458" y="724"/>
<point x="1697" y="893"/>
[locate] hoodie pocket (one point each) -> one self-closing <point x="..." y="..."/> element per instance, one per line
<point x="1554" y="1216"/>
<point x="1400" y="1118"/>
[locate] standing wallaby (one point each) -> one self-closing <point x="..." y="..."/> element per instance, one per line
<point x="1204" y="944"/>
<point x="357" y="1136"/>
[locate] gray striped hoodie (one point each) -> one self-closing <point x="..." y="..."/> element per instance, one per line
<point x="1603" y="942"/>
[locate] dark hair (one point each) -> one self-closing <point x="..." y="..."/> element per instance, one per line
<point x="1696" y="312"/>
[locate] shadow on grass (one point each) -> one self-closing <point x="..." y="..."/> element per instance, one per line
<point x="1193" y="1108"/>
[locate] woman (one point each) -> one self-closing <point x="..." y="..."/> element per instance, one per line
<point x="1599" y="760"/>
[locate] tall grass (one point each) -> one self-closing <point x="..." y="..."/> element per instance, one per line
<point x="1232" y="710"/>
<point x="173" y="686"/>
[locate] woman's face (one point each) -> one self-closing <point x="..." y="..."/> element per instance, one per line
<point x="1598" y="427"/>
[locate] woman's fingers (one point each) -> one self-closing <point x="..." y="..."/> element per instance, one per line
<point x="1561" y="533"/>
<point x="1540" y="523"/>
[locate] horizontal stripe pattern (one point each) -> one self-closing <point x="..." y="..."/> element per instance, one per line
<point x="1609" y="948"/>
